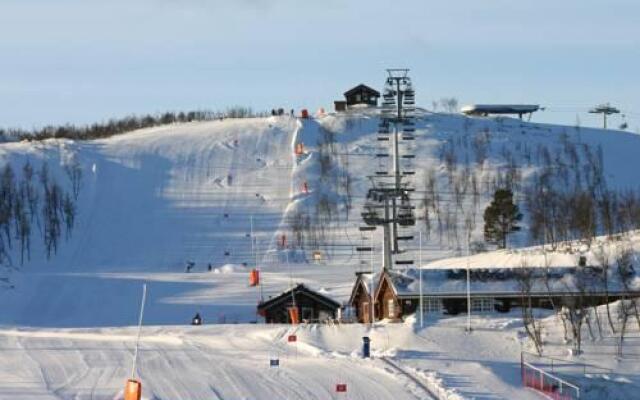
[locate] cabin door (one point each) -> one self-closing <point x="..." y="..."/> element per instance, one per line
<point x="364" y="311"/>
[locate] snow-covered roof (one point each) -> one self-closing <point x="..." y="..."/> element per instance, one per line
<point x="533" y="257"/>
<point x="507" y="281"/>
<point x="565" y="256"/>
<point x="367" y="280"/>
<point x="500" y="108"/>
<point x="360" y="87"/>
<point x="300" y="288"/>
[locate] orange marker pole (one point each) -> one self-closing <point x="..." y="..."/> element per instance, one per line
<point x="133" y="390"/>
<point x="133" y="387"/>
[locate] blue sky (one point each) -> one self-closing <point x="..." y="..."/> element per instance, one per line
<point x="83" y="61"/>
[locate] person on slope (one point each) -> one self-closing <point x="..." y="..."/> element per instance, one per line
<point x="189" y="267"/>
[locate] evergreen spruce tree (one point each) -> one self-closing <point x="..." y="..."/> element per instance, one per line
<point x="501" y="218"/>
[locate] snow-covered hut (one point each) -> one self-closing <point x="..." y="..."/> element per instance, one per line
<point x="311" y="306"/>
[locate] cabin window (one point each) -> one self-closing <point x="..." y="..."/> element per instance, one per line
<point x="392" y="309"/>
<point x="324" y="316"/>
<point x="307" y="313"/>
<point x="358" y="97"/>
<point x="545" y="303"/>
<point x="349" y="311"/>
<point x="432" y="305"/>
<point x="482" y="305"/>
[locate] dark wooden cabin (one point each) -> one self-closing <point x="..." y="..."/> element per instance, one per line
<point x="362" y="94"/>
<point x="312" y="306"/>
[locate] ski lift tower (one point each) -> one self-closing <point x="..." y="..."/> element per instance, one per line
<point x="604" y="109"/>
<point x="388" y="201"/>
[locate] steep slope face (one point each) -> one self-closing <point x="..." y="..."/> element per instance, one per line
<point x="149" y="202"/>
<point x="159" y="197"/>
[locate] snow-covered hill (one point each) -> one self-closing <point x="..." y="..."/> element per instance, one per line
<point x="151" y="200"/>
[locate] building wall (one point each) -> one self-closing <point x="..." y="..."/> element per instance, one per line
<point x="410" y="306"/>
<point x="308" y="309"/>
<point x="363" y="307"/>
<point x="362" y="96"/>
<point x="454" y="306"/>
<point x="389" y="306"/>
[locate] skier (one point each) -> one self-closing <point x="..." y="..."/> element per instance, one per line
<point x="190" y="265"/>
<point x="209" y="267"/>
<point x="197" y="320"/>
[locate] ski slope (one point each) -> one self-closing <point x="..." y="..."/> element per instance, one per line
<point x="233" y="362"/>
<point x="153" y="200"/>
<point x="215" y="362"/>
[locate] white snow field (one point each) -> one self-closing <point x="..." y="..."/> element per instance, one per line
<point x="153" y="199"/>
<point x="233" y="362"/>
<point x="214" y="362"/>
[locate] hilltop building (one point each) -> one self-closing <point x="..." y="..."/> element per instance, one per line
<point x="359" y="95"/>
<point x="485" y="110"/>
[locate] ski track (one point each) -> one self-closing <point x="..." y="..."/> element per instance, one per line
<point x="227" y="367"/>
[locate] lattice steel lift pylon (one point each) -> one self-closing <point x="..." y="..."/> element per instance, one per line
<point x="388" y="202"/>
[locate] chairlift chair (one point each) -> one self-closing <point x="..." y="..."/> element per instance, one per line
<point x="371" y="218"/>
<point x="406" y="216"/>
